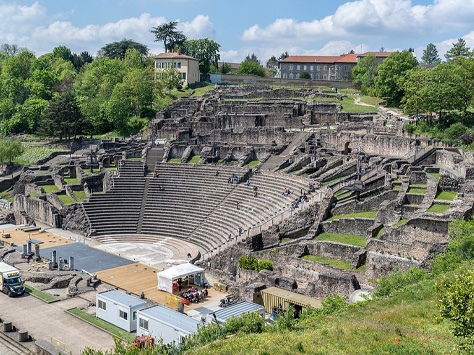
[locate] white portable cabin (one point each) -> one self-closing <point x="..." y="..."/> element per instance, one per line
<point x="162" y="322"/>
<point x="236" y="310"/>
<point x="119" y="309"/>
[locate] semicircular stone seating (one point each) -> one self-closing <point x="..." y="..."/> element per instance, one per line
<point x="191" y="202"/>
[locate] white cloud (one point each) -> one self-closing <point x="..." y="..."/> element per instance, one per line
<point x="31" y="27"/>
<point x="446" y="45"/>
<point x="369" y="18"/>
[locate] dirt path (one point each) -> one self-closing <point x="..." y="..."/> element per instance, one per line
<point x="384" y="110"/>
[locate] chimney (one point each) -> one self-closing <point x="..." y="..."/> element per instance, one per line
<point x="179" y="51"/>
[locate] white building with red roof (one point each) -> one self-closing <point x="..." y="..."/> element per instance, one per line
<point x="333" y="68"/>
<point x="186" y="65"/>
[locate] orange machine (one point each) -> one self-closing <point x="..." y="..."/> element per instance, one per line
<point x="144" y="342"/>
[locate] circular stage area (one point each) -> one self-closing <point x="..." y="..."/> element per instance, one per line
<point x="148" y="249"/>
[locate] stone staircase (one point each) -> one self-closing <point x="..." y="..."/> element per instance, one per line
<point x="275" y="161"/>
<point x="154" y="155"/>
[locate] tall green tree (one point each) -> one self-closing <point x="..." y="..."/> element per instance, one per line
<point x="416" y="91"/>
<point x="459" y="49"/>
<point x="272" y="62"/>
<point x="206" y="50"/>
<point x="430" y="54"/>
<point x="62" y="52"/>
<point x="284" y="55"/>
<point x="252" y="58"/>
<point x="62" y="118"/>
<point x="364" y="73"/>
<point x="10" y="149"/>
<point x="168" y="34"/>
<point x="388" y="82"/>
<point x="118" y="49"/>
<point x="11" y="49"/>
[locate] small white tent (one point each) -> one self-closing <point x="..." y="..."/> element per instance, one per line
<point x="166" y="277"/>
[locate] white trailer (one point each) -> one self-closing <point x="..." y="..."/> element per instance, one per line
<point x="162" y="322"/>
<point x="119" y="309"/>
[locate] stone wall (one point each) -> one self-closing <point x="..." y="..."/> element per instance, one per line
<point x="40" y="210"/>
<point x="357" y="226"/>
<point x="333" y="250"/>
<point x="379" y="264"/>
<point x="371" y="204"/>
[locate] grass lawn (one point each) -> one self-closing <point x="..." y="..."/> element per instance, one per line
<point x="112" y="168"/>
<point x="194" y="159"/>
<point x="400" y="222"/>
<point x="331" y="181"/>
<point x="31" y="155"/>
<point x="284" y="240"/>
<point x="397" y="187"/>
<point x="357" y="240"/>
<point x="370" y="214"/>
<point x="35" y="195"/>
<point x="436" y="175"/>
<point x="346" y="265"/>
<point x="89" y="171"/>
<point x="102" y="324"/>
<point x="252" y="164"/>
<point x="44" y="296"/>
<point x="5" y="195"/>
<point x="49" y="188"/>
<point x="418" y="185"/>
<point x="348" y="105"/>
<point x="413" y="190"/>
<point x="80" y="195"/>
<point x="370" y="100"/>
<point x="380" y="232"/>
<point x="72" y="181"/>
<point x="446" y="195"/>
<point x="66" y="199"/>
<point x="134" y="159"/>
<point x="398" y="325"/>
<point x="340" y="196"/>
<point x="438" y="208"/>
<point x="174" y="160"/>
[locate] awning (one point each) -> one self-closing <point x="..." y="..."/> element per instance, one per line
<point x="166" y="277"/>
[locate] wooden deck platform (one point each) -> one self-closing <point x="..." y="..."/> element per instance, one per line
<point x="20" y="237"/>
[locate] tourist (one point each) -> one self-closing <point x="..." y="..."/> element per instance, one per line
<point x="157" y="174"/>
<point x="248" y="182"/>
<point x="230" y="236"/>
<point x="238" y="203"/>
<point x="217" y="173"/>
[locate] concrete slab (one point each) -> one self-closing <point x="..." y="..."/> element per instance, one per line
<point x="86" y="258"/>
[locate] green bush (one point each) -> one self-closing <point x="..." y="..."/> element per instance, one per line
<point x="409" y="128"/>
<point x="247" y="323"/>
<point x="264" y="265"/>
<point x="248" y="262"/>
<point x="389" y="285"/>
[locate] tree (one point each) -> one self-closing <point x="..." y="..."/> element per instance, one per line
<point x="364" y="73"/>
<point x="272" y="63"/>
<point x="206" y="50"/>
<point x="11" y="49"/>
<point x="118" y="49"/>
<point x="284" y="55"/>
<point x="10" y="149"/>
<point x="79" y="60"/>
<point x="456" y="304"/>
<point x="415" y="89"/>
<point x="391" y="71"/>
<point x="305" y="75"/>
<point x="62" y="52"/>
<point x="251" y="68"/>
<point x="252" y="58"/>
<point x="62" y="118"/>
<point x="459" y="49"/>
<point x="430" y="54"/>
<point x="225" y="68"/>
<point x="168" y="34"/>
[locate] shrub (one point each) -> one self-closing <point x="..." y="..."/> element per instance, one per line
<point x="409" y="128"/>
<point x="247" y="323"/>
<point x="264" y="265"/>
<point x="389" y="285"/>
<point x="248" y="262"/>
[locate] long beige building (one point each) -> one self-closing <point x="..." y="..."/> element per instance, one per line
<point x="324" y="67"/>
<point x="186" y="65"/>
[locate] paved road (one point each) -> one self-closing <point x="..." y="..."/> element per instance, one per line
<point x="44" y="321"/>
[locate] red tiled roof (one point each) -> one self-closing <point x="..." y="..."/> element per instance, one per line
<point x="377" y="54"/>
<point x="348" y="58"/>
<point x="174" y="56"/>
<point x="310" y="58"/>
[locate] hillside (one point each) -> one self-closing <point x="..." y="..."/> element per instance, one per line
<point x="402" y="324"/>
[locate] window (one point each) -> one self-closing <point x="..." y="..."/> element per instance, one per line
<point x="177" y="65"/>
<point x="312" y="67"/>
<point x="123" y="314"/>
<point x="285" y="76"/>
<point x="143" y="323"/>
<point x="311" y="76"/>
<point x="291" y="66"/>
<point x="325" y="68"/>
<point x="183" y="75"/>
<point x="325" y="77"/>
<point x="304" y="67"/>
<point x="102" y="305"/>
<point x="346" y="68"/>
<point x="297" y="75"/>
<point x="318" y="68"/>
<point x="291" y="75"/>
<point x="338" y="67"/>
<point x="298" y="67"/>
<point x="134" y="315"/>
<point x="318" y="76"/>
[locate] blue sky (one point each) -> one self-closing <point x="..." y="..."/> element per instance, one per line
<point x="266" y="28"/>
